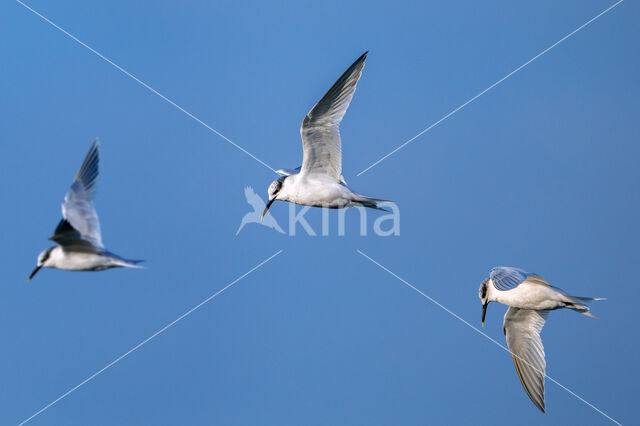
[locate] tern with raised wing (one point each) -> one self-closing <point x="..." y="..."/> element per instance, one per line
<point x="530" y="298"/>
<point x="319" y="182"/>
<point x="78" y="233"/>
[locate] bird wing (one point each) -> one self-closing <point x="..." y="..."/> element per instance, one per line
<point x="68" y="237"/>
<point x="289" y="172"/>
<point x="80" y="223"/>
<point x="537" y="279"/>
<point x="522" y="329"/>
<point x="506" y="278"/>
<point x="320" y="130"/>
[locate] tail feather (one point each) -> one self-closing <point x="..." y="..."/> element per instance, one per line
<point x="372" y="203"/>
<point x="378" y="200"/>
<point x="577" y="304"/>
<point x="134" y="263"/>
<point x="587" y="299"/>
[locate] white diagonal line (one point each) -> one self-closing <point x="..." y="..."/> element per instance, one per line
<point x="143" y="84"/>
<point x="490" y="87"/>
<point x="139" y="345"/>
<point x="459" y="318"/>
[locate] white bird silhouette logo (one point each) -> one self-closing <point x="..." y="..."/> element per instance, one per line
<point x="258" y="205"/>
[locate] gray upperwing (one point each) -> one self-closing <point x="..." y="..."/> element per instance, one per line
<point x="77" y="207"/>
<point x="507" y="278"/>
<point x="320" y="130"/>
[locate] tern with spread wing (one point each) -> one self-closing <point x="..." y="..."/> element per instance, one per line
<point x="319" y="182"/>
<point x="530" y="298"/>
<point x="78" y="233"/>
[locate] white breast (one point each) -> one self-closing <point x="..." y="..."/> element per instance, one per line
<point x="316" y="190"/>
<point x="78" y="261"/>
<point x="529" y="296"/>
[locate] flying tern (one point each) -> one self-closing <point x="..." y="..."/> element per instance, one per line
<point x="530" y="298"/>
<point x="319" y="182"/>
<point x="78" y="233"/>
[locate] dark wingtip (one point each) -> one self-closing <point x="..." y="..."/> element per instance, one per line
<point x="361" y="58"/>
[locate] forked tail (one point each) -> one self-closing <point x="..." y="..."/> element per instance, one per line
<point x="371" y="203"/>
<point x="128" y="263"/>
<point x="577" y="303"/>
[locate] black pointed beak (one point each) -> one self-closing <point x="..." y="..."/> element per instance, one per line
<point x="35" y="271"/>
<point x="267" y="207"/>
<point x="484" y="311"/>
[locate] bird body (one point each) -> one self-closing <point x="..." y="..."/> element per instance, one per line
<point x="530" y="299"/>
<point x="318" y="182"/>
<point x="321" y="190"/>
<point x="532" y="294"/>
<point x="97" y="260"/>
<point x="521" y="289"/>
<point x="78" y="233"/>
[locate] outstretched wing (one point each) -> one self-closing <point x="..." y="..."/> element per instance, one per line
<point x="506" y="278"/>
<point x="68" y="237"/>
<point x="320" y="128"/>
<point x="289" y="172"/>
<point x="80" y="223"/>
<point x="522" y="329"/>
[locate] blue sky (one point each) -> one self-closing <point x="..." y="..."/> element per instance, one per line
<point x="539" y="173"/>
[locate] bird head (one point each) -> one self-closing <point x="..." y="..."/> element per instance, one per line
<point x="274" y="189"/>
<point x="43" y="257"/>
<point x="484" y="297"/>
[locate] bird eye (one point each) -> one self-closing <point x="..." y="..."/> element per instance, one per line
<point x="44" y="256"/>
<point x="277" y="185"/>
<point x="483" y="290"/>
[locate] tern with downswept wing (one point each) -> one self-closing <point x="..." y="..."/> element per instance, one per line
<point x="530" y="298"/>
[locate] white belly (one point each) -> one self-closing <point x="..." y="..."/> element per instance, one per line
<point x="531" y="296"/>
<point x="78" y="261"/>
<point x="319" y="192"/>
